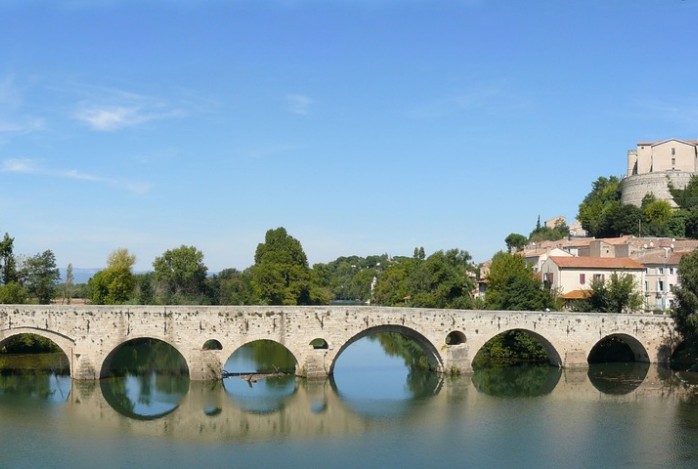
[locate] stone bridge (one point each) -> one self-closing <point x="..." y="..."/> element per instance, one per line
<point x="317" y="335"/>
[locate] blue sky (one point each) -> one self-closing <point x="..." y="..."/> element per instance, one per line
<point x="361" y="126"/>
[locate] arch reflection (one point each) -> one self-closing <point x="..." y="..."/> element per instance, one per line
<point x="260" y="377"/>
<point x="147" y="379"/>
<point x="383" y="376"/>
<point x="617" y="378"/>
<point x="517" y="381"/>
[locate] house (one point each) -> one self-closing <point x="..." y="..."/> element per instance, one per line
<point x="661" y="276"/>
<point x="536" y="257"/>
<point x="573" y="275"/>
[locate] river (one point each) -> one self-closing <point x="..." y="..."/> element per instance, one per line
<point x="376" y="412"/>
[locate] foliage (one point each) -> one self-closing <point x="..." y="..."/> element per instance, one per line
<point x="512" y="285"/>
<point x="545" y="233"/>
<point x="618" y="295"/>
<point x="28" y="343"/>
<point x="231" y="287"/>
<point x="180" y="274"/>
<point x="115" y="284"/>
<point x="594" y="209"/>
<point x="443" y="280"/>
<point x="8" y="266"/>
<point x="515" y="241"/>
<point x="281" y="275"/>
<point x="13" y="293"/>
<point x="685" y="308"/>
<point x="68" y="284"/>
<point x="39" y="276"/>
<point x="511" y="348"/>
<point x="686" y="198"/>
<point x="349" y="278"/>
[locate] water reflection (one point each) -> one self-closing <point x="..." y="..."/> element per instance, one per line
<point x="31" y="377"/>
<point x="147" y="379"/>
<point x="262" y="377"/>
<point x="517" y="381"/>
<point x="617" y="378"/>
<point x="144" y="397"/>
<point x="383" y="376"/>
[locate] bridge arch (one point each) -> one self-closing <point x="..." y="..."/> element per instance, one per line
<point x="554" y="358"/>
<point x="106" y="362"/>
<point x="292" y="353"/>
<point x="638" y="350"/>
<point x="63" y="342"/>
<point x="430" y="350"/>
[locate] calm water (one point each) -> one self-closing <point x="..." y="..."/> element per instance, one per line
<point x="375" y="413"/>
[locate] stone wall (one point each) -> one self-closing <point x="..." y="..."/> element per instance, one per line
<point x="90" y="334"/>
<point x="637" y="186"/>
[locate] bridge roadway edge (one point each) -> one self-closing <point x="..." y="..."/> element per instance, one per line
<point x="88" y="334"/>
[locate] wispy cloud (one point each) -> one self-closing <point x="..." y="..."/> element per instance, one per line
<point x="683" y="113"/>
<point x="29" y="166"/>
<point x="107" y="109"/>
<point x="12" y="119"/>
<point x="479" y="98"/>
<point x="299" y="104"/>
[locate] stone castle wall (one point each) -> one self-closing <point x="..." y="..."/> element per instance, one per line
<point x="637" y="186"/>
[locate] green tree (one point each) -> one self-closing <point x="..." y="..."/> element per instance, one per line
<point x="512" y="285"/>
<point x="114" y="284"/>
<point x="685" y="307"/>
<point x="181" y="274"/>
<point x="40" y="275"/>
<point x="443" y="280"/>
<point x="231" y="287"/>
<point x="618" y="295"/>
<point x="13" y="293"/>
<point x="515" y="241"/>
<point x="593" y="211"/>
<point x="68" y="285"/>
<point x="686" y="198"/>
<point x="280" y="275"/>
<point x="8" y="265"/>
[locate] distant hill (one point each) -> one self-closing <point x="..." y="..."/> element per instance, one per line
<point x="80" y="275"/>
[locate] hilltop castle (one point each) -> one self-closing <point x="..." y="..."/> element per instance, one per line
<point x="653" y="164"/>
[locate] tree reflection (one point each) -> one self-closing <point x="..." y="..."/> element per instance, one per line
<point x="147" y="379"/>
<point x="617" y="378"/>
<point x="35" y="376"/>
<point x="517" y="381"/>
<point x="422" y="380"/>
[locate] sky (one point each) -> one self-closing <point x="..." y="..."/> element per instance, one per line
<point x="361" y="126"/>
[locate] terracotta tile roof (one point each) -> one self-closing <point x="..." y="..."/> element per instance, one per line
<point x="576" y="295"/>
<point x="660" y="258"/>
<point x="613" y="263"/>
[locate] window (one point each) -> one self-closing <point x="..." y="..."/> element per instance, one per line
<point x="598" y="278"/>
<point x="660" y="286"/>
<point x="661" y="271"/>
<point x="673" y="162"/>
<point x="548" y="282"/>
<point x="582" y="279"/>
<point x="673" y="152"/>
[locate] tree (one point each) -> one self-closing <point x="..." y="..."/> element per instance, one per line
<point x="593" y="211"/>
<point x="114" y="284"/>
<point x="515" y="241"/>
<point x="40" y="275"/>
<point x="512" y="285"/>
<point x="281" y="275"/>
<point x="8" y="266"/>
<point x="443" y="280"/>
<point x="618" y="295"/>
<point x="685" y="308"/>
<point x="231" y="287"/>
<point x="181" y="273"/>
<point x="68" y="286"/>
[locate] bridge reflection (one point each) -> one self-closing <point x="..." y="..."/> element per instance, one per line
<point x="306" y="408"/>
